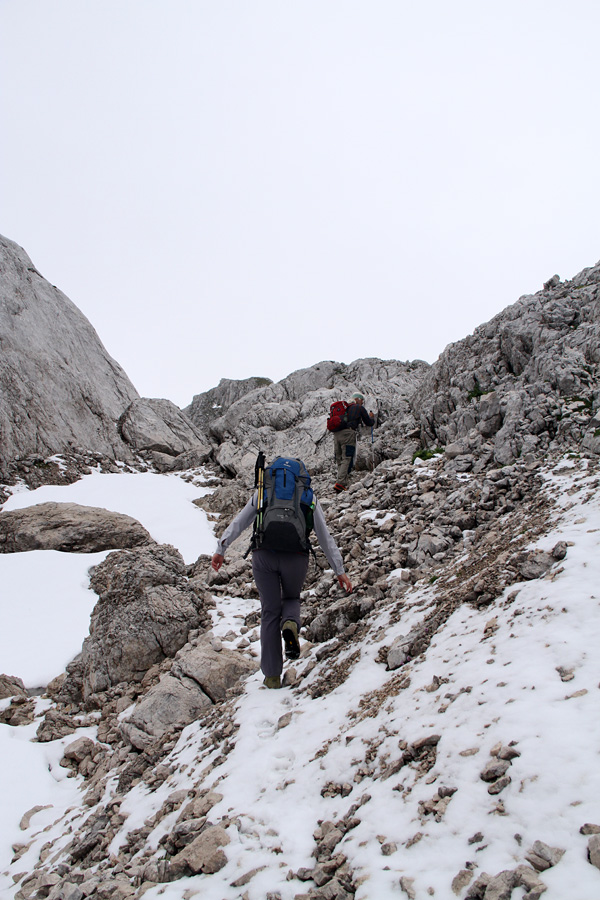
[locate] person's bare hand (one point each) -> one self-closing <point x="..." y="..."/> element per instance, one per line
<point x="217" y="561"/>
<point x="345" y="583"/>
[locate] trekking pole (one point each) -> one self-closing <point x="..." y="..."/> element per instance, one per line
<point x="259" y="484"/>
<point x="259" y="480"/>
<point x="372" y="436"/>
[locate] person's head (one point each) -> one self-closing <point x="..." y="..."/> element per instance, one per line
<point x="358" y="398"/>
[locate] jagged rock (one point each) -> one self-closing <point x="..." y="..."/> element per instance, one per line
<point x="529" y="879"/>
<point x="534" y="564"/>
<point x="20" y="712"/>
<point x="11" y="686"/>
<point x="407" y="885"/>
<point x="70" y="528"/>
<point x="593" y="848"/>
<point x="214" y="672"/>
<point x="213" y="404"/>
<point x="160" y="426"/>
<point x="66" y="890"/>
<point x="500" y="887"/>
<point x="337" y="617"/>
<point x="145" y="611"/>
<point x="204" y="854"/>
<point x="55" y="725"/>
<point x="399" y="652"/>
<point x="27" y="816"/>
<point x="542" y="857"/>
<point x="79" y="749"/>
<point x="461" y="880"/>
<point x="512" y="380"/>
<point x="333" y="890"/>
<point x="494" y="769"/>
<point x="198" y="678"/>
<point x="171" y="704"/>
<point x="200" y="806"/>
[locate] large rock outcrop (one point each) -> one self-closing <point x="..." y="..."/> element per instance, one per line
<point x="212" y="404"/>
<point x="59" y="388"/>
<point x="70" y="528"/>
<point x="522" y="382"/>
<point x="160" y="427"/>
<point x="289" y="417"/>
<point x="61" y="392"/>
<point x="200" y="676"/>
<point x="146" y="609"/>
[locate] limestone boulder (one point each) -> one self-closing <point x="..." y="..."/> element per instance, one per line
<point x="145" y="610"/>
<point x="160" y="426"/>
<point x="69" y="527"/>
<point x="11" y="686"/>
<point x="214" y="671"/>
<point x="200" y="676"/>
<point x="173" y="703"/>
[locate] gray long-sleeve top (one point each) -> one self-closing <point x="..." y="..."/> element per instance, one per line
<point x="246" y="517"/>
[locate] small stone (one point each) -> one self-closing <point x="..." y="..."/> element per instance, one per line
<point x="460" y="881"/>
<point x="498" y="786"/>
<point x="543" y="857"/>
<point x="26" y="818"/>
<point x="594" y="850"/>
<point x="406" y="884"/>
<point x="494" y="769"/>
<point x="476" y="839"/>
<point x="248" y="876"/>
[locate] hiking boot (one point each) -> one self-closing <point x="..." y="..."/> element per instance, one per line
<point x="339" y="487"/>
<point x="289" y="632"/>
<point x="272" y="681"/>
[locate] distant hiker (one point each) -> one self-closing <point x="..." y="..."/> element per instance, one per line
<point x="284" y="510"/>
<point x="344" y="436"/>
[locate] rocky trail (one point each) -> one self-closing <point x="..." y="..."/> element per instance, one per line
<point x="408" y="714"/>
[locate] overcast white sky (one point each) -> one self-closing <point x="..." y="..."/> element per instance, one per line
<point x="230" y="188"/>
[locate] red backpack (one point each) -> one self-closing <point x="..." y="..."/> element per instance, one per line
<point x="337" y="415"/>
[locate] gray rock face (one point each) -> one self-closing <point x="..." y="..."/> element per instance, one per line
<point x="145" y="611"/>
<point x="61" y="392"/>
<point x="171" y="704"/>
<point x="70" y="528"/>
<point x="213" y="404"/>
<point x="160" y="426"/>
<point x="523" y="382"/>
<point x="289" y="418"/>
<point x="59" y="387"/>
<point x="199" y="677"/>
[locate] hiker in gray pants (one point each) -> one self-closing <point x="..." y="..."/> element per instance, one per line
<point x="344" y="439"/>
<point x="279" y="577"/>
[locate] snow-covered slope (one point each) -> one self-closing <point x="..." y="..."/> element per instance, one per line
<point x="377" y="773"/>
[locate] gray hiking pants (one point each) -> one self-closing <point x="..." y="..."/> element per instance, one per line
<point x="279" y="578"/>
<point x="344" y="443"/>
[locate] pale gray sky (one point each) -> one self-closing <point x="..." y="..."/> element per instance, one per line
<point x="247" y="187"/>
